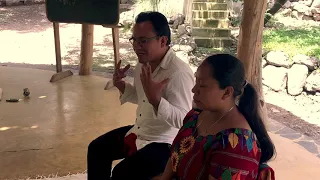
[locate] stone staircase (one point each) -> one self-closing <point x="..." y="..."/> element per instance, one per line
<point x="210" y="24"/>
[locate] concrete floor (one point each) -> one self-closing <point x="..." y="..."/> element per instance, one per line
<point x="49" y="132"/>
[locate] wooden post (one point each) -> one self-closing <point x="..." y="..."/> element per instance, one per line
<point x="250" y="44"/>
<point x="187" y="10"/>
<point x="59" y="75"/>
<point x="86" y="50"/>
<point x="1" y="92"/>
<point x="57" y="46"/>
<point x="116" y="48"/>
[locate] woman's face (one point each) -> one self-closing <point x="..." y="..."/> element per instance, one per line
<point x="207" y="93"/>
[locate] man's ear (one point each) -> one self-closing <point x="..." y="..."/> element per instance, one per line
<point x="164" y="40"/>
<point x="228" y="92"/>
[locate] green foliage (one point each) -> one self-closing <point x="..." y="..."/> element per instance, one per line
<point x="293" y="41"/>
<point x="235" y="21"/>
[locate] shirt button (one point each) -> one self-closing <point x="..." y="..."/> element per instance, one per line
<point x="144" y="101"/>
<point x="138" y="127"/>
<point x="140" y="114"/>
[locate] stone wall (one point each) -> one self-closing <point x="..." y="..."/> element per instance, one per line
<point x="293" y="75"/>
<point x="302" y="9"/>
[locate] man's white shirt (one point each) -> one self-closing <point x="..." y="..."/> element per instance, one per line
<point x="163" y="125"/>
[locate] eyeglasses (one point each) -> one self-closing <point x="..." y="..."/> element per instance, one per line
<point x="141" y="41"/>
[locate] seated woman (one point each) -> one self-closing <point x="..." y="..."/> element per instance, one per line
<point x="220" y="139"/>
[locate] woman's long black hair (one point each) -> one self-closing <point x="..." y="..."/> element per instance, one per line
<point x="229" y="71"/>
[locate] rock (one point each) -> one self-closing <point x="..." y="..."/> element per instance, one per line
<point x="300" y="7"/>
<point x="297" y="76"/>
<point x="274" y="77"/>
<point x="306" y="2"/>
<point x="177" y="20"/>
<point x="189" y="29"/>
<point x="193" y="68"/>
<point x="316" y="3"/>
<point x="185" y="48"/>
<point x="313" y="82"/>
<point x="287" y="5"/>
<point x="183" y="56"/>
<point x="307" y="18"/>
<point x="316" y="17"/>
<point x="310" y="62"/>
<point x="279" y="58"/>
<point x="185" y="40"/>
<point x="293" y="3"/>
<point x="286" y="12"/>
<point x="297" y="15"/>
<point x="315" y="10"/>
<point x="308" y="12"/>
<point x="127" y="18"/>
<point x="264" y="63"/>
<point x="182" y="29"/>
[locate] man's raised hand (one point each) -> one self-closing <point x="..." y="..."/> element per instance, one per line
<point x="118" y="75"/>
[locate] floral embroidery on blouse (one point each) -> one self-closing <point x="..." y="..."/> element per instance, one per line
<point x="231" y="154"/>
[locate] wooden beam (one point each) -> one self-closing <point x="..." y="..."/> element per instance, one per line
<point x="57" y="46"/>
<point x="86" y="50"/>
<point x="61" y="75"/>
<point x="187" y="10"/>
<point x="1" y="92"/>
<point x="250" y="43"/>
<point x="116" y="48"/>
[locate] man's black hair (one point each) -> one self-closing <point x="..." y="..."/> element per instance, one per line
<point x="159" y="22"/>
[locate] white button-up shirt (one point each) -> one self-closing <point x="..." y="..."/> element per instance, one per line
<point x="176" y="102"/>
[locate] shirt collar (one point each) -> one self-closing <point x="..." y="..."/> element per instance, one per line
<point x="167" y="59"/>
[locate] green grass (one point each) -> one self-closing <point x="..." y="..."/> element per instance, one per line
<point x="293" y="41"/>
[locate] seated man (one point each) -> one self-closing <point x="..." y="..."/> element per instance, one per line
<point x="162" y="90"/>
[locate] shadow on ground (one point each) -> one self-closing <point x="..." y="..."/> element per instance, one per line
<point x="32" y="17"/>
<point x="294" y="122"/>
<point x="103" y="55"/>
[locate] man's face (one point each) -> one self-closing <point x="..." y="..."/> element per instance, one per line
<point x="146" y="43"/>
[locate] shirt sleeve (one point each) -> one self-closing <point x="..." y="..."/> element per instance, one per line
<point x="178" y="101"/>
<point x="129" y="95"/>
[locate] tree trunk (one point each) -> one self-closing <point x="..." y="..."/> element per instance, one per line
<point x="187" y="10"/>
<point x="272" y="11"/>
<point x="86" y="50"/>
<point x="250" y="44"/>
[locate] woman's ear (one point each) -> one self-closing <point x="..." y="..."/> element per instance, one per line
<point x="228" y="92"/>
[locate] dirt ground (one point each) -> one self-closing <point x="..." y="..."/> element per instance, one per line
<point x="26" y="40"/>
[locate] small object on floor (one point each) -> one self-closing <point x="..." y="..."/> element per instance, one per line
<point x="12" y="100"/>
<point x="26" y="92"/>
<point x="1" y="94"/>
<point x="109" y="85"/>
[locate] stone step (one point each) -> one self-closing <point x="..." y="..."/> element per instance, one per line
<point x="205" y="6"/>
<point x="213" y="42"/>
<point x="216" y="14"/>
<point x="213" y="23"/>
<point x="210" y="32"/>
<point x="214" y="1"/>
